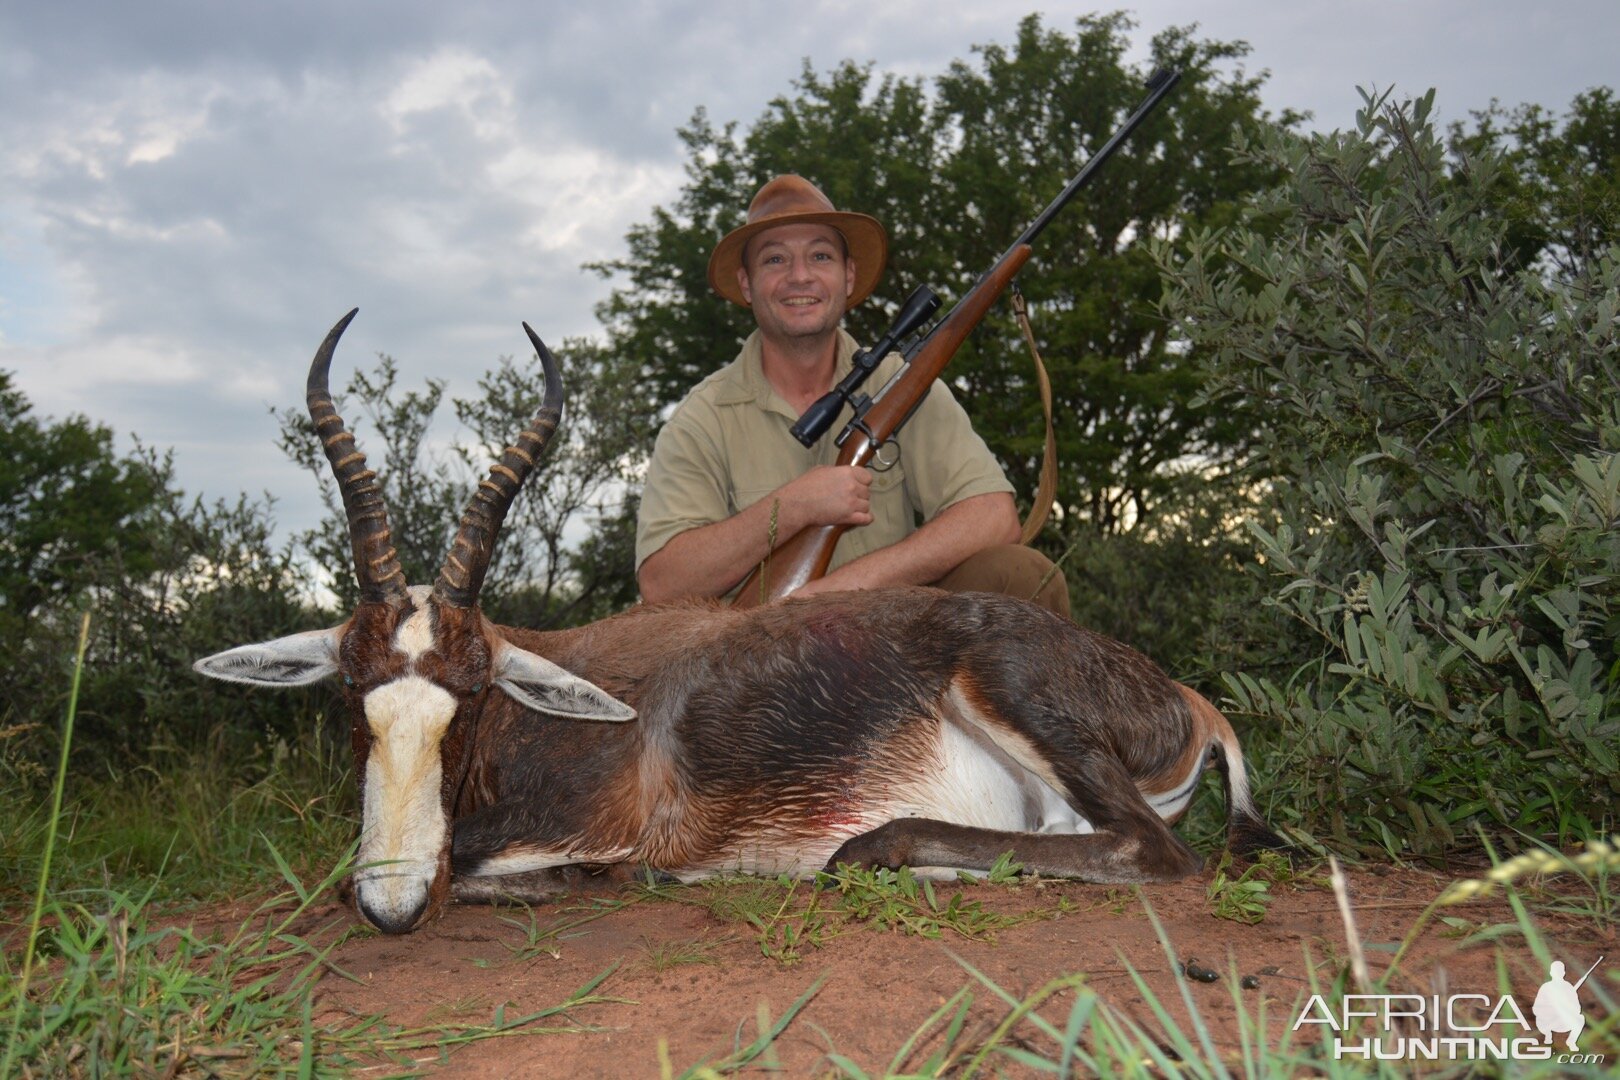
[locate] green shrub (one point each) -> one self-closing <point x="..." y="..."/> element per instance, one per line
<point x="166" y="578"/>
<point x="1440" y="454"/>
<point x="1176" y="591"/>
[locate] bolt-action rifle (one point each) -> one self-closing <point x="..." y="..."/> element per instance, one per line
<point x="806" y="555"/>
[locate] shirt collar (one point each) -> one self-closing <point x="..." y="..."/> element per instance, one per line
<point x="744" y="381"/>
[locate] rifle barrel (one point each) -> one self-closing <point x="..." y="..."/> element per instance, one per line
<point x="1158" y="86"/>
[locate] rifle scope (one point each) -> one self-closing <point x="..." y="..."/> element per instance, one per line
<point x="819" y="417"/>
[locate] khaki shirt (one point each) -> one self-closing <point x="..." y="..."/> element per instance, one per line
<point x="728" y="445"/>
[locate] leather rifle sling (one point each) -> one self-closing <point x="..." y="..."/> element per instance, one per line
<point x="1041" y="506"/>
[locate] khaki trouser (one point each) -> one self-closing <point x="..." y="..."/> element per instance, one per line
<point x="1014" y="570"/>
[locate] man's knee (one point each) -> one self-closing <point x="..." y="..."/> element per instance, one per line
<point x="1014" y="570"/>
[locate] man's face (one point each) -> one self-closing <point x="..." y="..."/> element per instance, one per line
<point x="798" y="279"/>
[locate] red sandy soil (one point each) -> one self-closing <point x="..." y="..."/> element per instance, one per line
<point x="878" y="986"/>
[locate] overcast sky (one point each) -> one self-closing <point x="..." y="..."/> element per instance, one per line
<point x="192" y="192"/>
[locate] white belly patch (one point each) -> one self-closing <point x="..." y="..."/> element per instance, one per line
<point x="972" y="782"/>
<point x="978" y="784"/>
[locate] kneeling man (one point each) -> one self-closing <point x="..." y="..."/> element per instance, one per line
<point x="727" y="475"/>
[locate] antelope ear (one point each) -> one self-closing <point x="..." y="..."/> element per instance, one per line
<point x="543" y="686"/>
<point x="296" y="660"/>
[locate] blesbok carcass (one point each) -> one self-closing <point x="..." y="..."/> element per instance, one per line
<point x="897" y="726"/>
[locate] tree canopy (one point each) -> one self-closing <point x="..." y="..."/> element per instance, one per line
<point x="68" y="500"/>
<point x="1558" y="188"/>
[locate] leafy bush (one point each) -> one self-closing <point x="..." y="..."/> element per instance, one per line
<point x="1440" y="455"/>
<point x="1176" y="591"/>
<point x="166" y="579"/>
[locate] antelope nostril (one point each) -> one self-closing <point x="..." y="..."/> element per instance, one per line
<point x="390" y="922"/>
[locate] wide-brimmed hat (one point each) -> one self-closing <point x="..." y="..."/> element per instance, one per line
<point x="793" y="200"/>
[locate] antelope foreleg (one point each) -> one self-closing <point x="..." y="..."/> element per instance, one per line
<point x="538" y="886"/>
<point x="1106" y="857"/>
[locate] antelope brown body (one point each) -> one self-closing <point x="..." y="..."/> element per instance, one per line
<point x="897" y="726"/>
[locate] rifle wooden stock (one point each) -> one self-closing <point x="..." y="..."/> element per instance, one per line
<point x="805" y="556"/>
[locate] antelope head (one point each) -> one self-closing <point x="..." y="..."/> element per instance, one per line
<point x="417" y="664"/>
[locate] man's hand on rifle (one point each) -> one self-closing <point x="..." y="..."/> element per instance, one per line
<point x="830" y="495"/>
<point x="711" y="559"/>
<point x="931" y="552"/>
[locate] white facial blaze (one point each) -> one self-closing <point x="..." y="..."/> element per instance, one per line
<point x="403" y="823"/>
<point x="415" y="635"/>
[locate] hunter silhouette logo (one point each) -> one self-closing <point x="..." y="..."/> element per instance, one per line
<point x="1558" y="1006"/>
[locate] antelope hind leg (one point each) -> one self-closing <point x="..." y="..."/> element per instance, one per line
<point x="1107" y="858"/>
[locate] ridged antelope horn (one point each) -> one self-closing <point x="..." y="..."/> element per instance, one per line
<point x="462" y="575"/>
<point x="376" y="564"/>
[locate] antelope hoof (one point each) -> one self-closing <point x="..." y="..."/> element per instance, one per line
<point x="869" y="850"/>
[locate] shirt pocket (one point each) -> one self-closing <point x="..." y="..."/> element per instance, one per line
<point x="893" y="518"/>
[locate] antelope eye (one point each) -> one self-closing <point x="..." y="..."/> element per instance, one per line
<point x="348" y="680"/>
<point x="477" y="687"/>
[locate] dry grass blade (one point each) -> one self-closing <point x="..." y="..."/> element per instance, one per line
<point x="1352" y="936"/>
